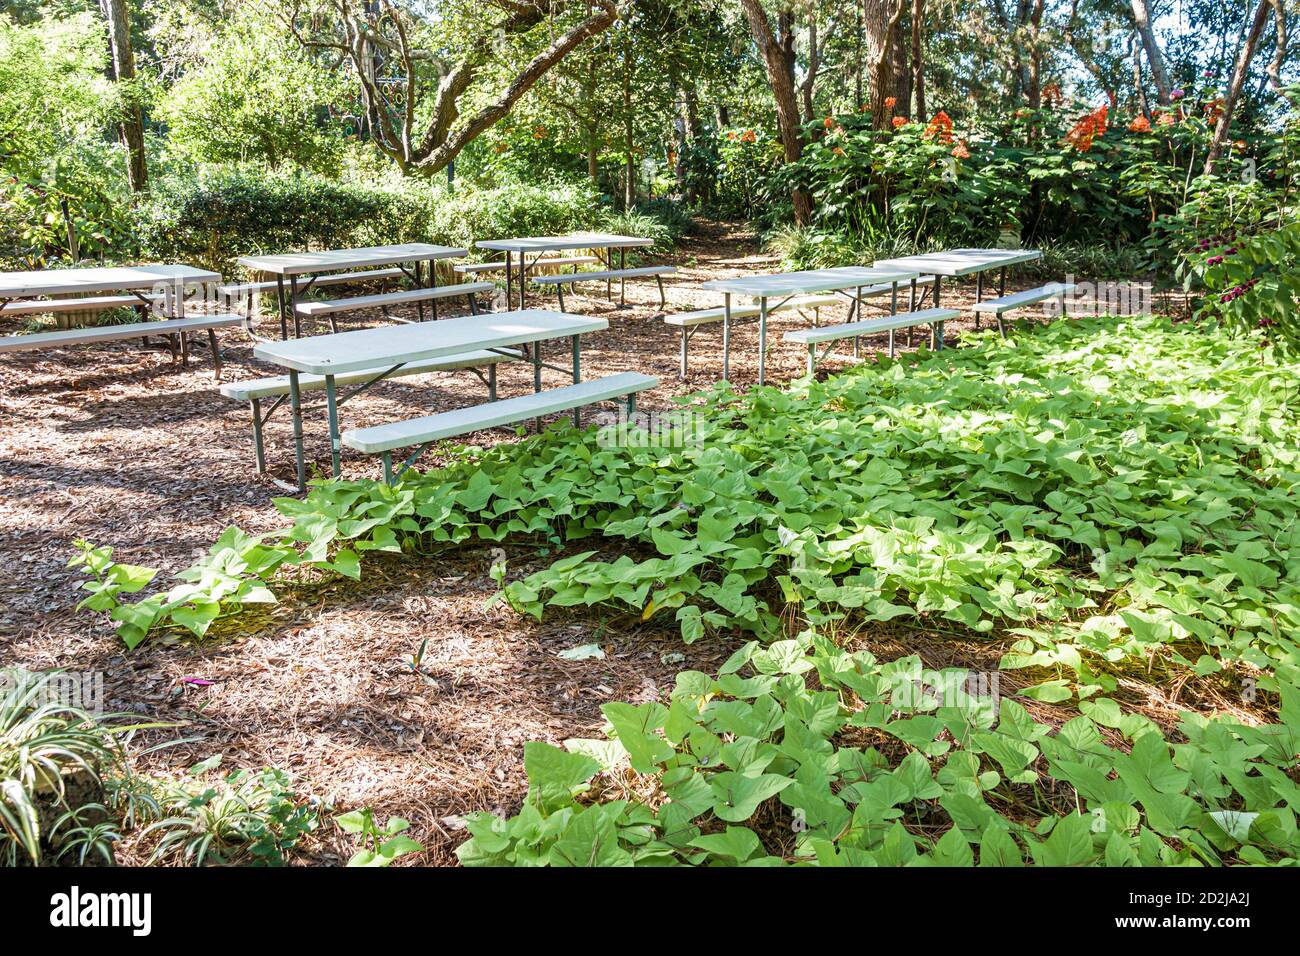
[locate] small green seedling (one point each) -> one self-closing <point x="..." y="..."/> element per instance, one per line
<point x="381" y="846"/>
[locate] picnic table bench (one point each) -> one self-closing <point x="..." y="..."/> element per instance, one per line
<point x="846" y="330"/>
<point x="382" y="301"/>
<point x="1018" y="300"/>
<point x="160" y="289"/>
<point x="846" y="281"/>
<point x="956" y="263"/>
<point x="385" y="351"/>
<point x="560" y="281"/>
<point x="555" y="262"/>
<point x="602" y="244"/>
<point x="296" y="273"/>
<point x="383" y="440"/>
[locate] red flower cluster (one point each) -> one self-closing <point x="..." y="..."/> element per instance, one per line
<point x="960" y="150"/>
<point x="1051" y="95"/>
<point x="899" y="122"/>
<point x="1140" y="124"/>
<point x="891" y="102"/>
<point x="1091" y="125"/>
<point x="939" y="127"/>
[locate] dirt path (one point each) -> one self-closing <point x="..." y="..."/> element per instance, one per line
<point x="115" y="445"/>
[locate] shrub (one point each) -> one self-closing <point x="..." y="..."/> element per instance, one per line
<point x="213" y="221"/>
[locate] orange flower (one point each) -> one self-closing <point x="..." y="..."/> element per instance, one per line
<point x="899" y="122"/>
<point x="960" y="150"/>
<point x="731" y="134"/>
<point x="1140" y="124"/>
<point x="1091" y="125"/>
<point x="829" y="122"/>
<point x="1166" y="119"/>
<point x="838" y="150"/>
<point x="891" y="102"/>
<point x="1213" y="110"/>
<point x="1051" y="94"/>
<point x="749" y="136"/>
<point x="939" y="127"/>
<point x="539" y="132"/>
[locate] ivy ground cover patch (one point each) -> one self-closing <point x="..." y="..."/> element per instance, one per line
<point x="1104" y="490"/>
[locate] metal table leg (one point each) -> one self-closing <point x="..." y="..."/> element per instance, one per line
<point x="938" y="281"/>
<point x="509" y="279"/>
<point x="284" y="315"/>
<point x="293" y="304"/>
<point x="762" y="340"/>
<point x="577" y="376"/>
<point x="433" y="284"/>
<point x="295" y="408"/>
<point x="622" y="282"/>
<point x="332" y="409"/>
<point x="726" y="336"/>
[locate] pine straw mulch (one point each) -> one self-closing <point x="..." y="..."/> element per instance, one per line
<point x="116" y="445"/>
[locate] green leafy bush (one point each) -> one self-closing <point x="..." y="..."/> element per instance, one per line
<point x="1253" y="284"/>
<point x="214" y="220"/>
<point x="818" y="756"/>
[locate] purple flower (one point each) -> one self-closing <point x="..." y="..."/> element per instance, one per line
<point x="1176" y="94"/>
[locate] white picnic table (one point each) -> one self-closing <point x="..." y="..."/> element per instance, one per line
<point x="955" y="263"/>
<point x="536" y="246"/>
<point x="170" y="281"/>
<point x="845" y="280"/>
<point x="388" y="348"/>
<point x="288" y="267"/>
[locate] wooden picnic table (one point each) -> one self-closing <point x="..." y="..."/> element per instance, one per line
<point x="536" y="246"/>
<point x="955" y="263"/>
<point x="388" y="348"/>
<point x="848" y="281"/>
<point x="289" y="267"/>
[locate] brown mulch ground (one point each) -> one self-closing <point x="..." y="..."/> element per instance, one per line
<point x="116" y="445"/>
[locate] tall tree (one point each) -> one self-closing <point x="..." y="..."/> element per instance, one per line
<point x="918" y="61"/>
<point x="881" y="18"/>
<point x="414" y="116"/>
<point x="1246" y="52"/>
<point x="131" y="124"/>
<point x="777" y="49"/>
<point x="1155" y="59"/>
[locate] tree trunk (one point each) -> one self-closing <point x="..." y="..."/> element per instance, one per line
<point x="1139" y="87"/>
<point x="778" y="56"/>
<point x="918" y="60"/>
<point x="1035" y="93"/>
<point x="1142" y="19"/>
<point x="629" y="129"/>
<point x="810" y="78"/>
<point x="1244" y="56"/>
<point x="131" y="124"/>
<point x="881" y="20"/>
<point x="900" y="52"/>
